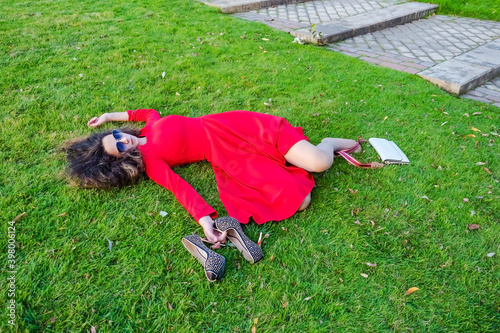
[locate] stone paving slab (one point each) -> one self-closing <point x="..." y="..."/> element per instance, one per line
<point x="318" y="12"/>
<point x="238" y="6"/>
<point x="455" y="76"/>
<point x="466" y="71"/>
<point x="361" y="24"/>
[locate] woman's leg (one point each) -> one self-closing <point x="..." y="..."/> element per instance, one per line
<point x="316" y="158"/>
<point x="305" y="203"/>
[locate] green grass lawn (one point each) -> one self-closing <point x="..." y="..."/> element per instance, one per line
<point x="64" y="62"/>
<point x="480" y="9"/>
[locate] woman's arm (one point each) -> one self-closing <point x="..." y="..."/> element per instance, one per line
<point x="147" y="115"/>
<point x="161" y="173"/>
<point x="114" y="116"/>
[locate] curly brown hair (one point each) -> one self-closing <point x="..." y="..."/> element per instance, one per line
<point x="92" y="167"/>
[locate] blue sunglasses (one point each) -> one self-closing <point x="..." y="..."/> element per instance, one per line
<point x="119" y="145"/>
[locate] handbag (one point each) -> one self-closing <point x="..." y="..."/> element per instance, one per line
<point x="388" y="151"/>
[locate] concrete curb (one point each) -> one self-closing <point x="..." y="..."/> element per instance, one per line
<point x="364" y="23"/>
<point x="466" y="71"/>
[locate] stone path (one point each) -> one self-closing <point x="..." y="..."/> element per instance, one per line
<point x="487" y="93"/>
<point x="454" y="53"/>
<point x="315" y="12"/>
<point x="432" y="40"/>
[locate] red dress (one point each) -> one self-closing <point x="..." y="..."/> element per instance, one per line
<point x="246" y="152"/>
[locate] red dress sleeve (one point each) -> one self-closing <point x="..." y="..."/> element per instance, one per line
<point x="160" y="172"/>
<point x="147" y="115"/>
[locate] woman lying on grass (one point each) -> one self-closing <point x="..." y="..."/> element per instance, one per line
<point x="262" y="164"/>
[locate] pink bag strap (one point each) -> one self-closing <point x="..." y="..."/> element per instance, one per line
<point x="352" y="161"/>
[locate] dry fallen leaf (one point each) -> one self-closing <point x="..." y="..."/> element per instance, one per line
<point x="169" y="306"/>
<point x="490" y="254"/>
<point x="473" y="226"/>
<point x="284" y="305"/>
<point x="93" y="330"/>
<point x="53" y="319"/>
<point x="110" y="244"/>
<point x="308" y="298"/>
<point x="411" y="290"/>
<point x="425" y="197"/>
<point x="364" y="275"/>
<point x="487" y="170"/>
<point x="18" y="217"/>
<point x="475" y="129"/>
<point x="372" y="265"/>
<point x="63" y="214"/>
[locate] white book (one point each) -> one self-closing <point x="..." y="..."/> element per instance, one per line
<point x="388" y="151"/>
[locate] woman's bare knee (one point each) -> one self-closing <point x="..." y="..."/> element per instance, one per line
<point x="321" y="162"/>
<point x="309" y="157"/>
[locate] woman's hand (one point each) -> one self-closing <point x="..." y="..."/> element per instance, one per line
<point x="97" y="121"/>
<point x="212" y="235"/>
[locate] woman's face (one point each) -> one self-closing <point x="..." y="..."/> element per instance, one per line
<point x="117" y="143"/>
